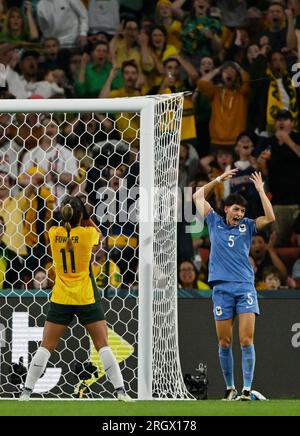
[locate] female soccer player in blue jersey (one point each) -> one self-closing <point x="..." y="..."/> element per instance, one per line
<point x="232" y="276"/>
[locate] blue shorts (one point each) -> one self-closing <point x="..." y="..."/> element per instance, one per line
<point x="233" y="298"/>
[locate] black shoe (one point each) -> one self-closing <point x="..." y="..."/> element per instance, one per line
<point x="246" y="396"/>
<point x="230" y="395"/>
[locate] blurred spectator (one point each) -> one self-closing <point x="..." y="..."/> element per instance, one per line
<point x="9" y="278"/>
<point x="201" y="33"/>
<point x="188" y="169"/>
<point x="40" y="280"/>
<point x="23" y="85"/>
<point x="94" y="71"/>
<point x="15" y="26"/>
<point x="188" y="277"/>
<point x="25" y="217"/>
<point x="66" y="19"/>
<point x="174" y="68"/>
<point x="238" y="51"/>
<point x="127" y="123"/>
<point x="255" y="22"/>
<point x="241" y="183"/>
<point x="203" y="110"/>
<point x="284" y="184"/>
<point x="72" y="66"/>
<point x="276" y="92"/>
<point x="188" y="165"/>
<point x="229" y="103"/>
<point x="9" y="148"/>
<point x="104" y="16"/>
<point x="120" y="233"/>
<point x="125" y="46"/>
<point x="48" y="88"/>
<point x="164" y="17"/>
<point x="271" y="279"/>
<point x="39" y="206"/>
<point x="264" y="255"/>
<point x="57" y="161"/>
<point x="276" y="32"/>
<point x="105" y="271"/>
<point x="51" y="48"/>
<point x="159" y="52"/>
<point x="11" y="211"/>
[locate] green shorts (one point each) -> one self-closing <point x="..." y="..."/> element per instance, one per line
<point x="63" y="313"/>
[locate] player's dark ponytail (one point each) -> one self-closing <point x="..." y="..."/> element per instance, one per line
<point x="67" y="214"/>
<point x="72" y="214"/>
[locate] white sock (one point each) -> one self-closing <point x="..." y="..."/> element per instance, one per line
<point x="37" y="367"/>
<point x="111" y="367"/>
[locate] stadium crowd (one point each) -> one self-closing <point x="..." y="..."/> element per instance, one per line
<point x="233" y="58"/>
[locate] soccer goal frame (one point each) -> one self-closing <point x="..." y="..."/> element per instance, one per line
<point x="146" y="107"/>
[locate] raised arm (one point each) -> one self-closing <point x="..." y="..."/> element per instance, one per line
<point x="269" y="216"/>
<point x="291" y="40"/>
<point x="33" y="30"/>
<point x="211" y="75"/>
<point x="203" y="193"/>
<point x="189" y="69"/>
<point x="104" y="92"/>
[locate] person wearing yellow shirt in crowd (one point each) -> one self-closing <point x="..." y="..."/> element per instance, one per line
<point x="38" y="206"/>
<point x="229" y="101"/>
<point x="128" y="124"/>
<point x="105" y="271"/>
<point x="164" y="17"/>
<point x="74" y="293"/>
<point x="174" y="68"/>
<point x="128" y="44"/>
<point x="12" y="209"/>
<point x="160" y="51"/>
<point x="188" y="277"/>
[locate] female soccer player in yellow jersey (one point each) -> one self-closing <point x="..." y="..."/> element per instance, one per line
<point x="74" y="293"/>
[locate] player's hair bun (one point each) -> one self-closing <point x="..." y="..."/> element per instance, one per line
<point x="67" y="212"/>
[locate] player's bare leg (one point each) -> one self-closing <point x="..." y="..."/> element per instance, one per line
<point x="246" y="332"/>
<point x="51" y="335"/>
<point x="98" y="333"/>
<point x="225" y="336"/>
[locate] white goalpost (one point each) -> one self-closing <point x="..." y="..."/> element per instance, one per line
<point x="138" y="268"/>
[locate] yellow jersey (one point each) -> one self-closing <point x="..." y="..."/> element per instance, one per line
<point x="74" y="281"/>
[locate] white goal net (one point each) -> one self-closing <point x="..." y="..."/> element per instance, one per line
<point x="121" y="157"/>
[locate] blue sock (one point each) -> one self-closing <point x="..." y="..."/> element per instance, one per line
<point x="226" y="361"/>
<point x="248" y="360"/>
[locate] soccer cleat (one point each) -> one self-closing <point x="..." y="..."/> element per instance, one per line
<point x="246" y="396"/>
<point x="230" y="395"/>
<point x="25" y="395"/>
<point x="123" y="396"/>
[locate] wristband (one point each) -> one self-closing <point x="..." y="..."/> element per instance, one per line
<point x="219" y="179"/>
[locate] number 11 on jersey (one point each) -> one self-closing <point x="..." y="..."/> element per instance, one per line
<point x="64" y="260"/>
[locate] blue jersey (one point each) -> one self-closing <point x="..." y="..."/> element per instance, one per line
<point x="230" y="247"/>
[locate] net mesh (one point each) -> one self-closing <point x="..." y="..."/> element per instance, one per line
<point x="44" y="156"/>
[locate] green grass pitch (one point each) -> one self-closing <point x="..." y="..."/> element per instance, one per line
<point x="149" y="408"/>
